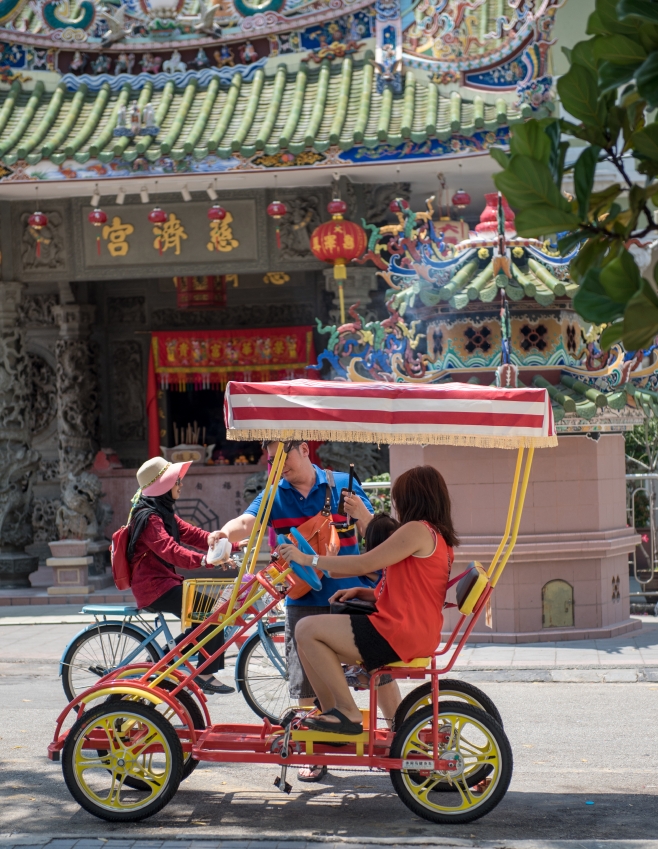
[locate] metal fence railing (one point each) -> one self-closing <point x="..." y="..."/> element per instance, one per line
<point x="641" y="495"/>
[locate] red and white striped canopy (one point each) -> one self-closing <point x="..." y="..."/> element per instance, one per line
<point x="453" y="413"/>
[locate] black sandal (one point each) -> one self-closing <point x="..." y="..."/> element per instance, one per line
<point x="343" y="726"/>
<point x="317" y="773"/>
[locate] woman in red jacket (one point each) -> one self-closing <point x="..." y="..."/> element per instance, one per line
<point x="409" y="598"/>
<point x="154" y="552"/>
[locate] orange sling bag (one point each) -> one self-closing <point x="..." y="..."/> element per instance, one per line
<point x="319" y="532"/>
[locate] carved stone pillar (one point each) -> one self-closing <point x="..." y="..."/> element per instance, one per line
<point x="77" y="389"/>
<point x="357" y="287"/>
<point x="18" y="460"/>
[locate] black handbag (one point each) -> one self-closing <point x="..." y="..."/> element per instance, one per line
<point x="352" y="606"/>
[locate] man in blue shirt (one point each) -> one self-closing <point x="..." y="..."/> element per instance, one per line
<point x="300" y="495"/>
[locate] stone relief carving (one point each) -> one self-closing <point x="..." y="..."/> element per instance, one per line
<point x="77" y="404"/>
<point x="377" y="199"/>
<point x="303" y="216"/>
<point x="18" y="463"/>
<point x="48" y="470"/>
<point x="43" y="250"/>
<point x="256" y="315"/>
<point x="18" y="460"/>
<point x="43" y="406"/>
<point x="37" y="310"/>
<point x="369" y="460"/>
<point x="127" y="310"/>
<point x="82" y="515"/>
<point x="128" y="391"/>
<point x="44" y="513"/>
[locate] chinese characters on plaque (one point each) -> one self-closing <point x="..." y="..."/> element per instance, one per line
<point x="128" y="238"/>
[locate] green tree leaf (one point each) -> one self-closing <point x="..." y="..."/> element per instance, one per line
<point x="583" y="177"/>
<point x="589" y="255"/>
<point x="619" y="49"/>
<point x="646" y="142"/>
<point x="613" y="333"/>
<point x="640" y="319"/>
<point x="592" y="302"/>
<point x="620" y="278"/>
<point x="610" y="20"/>
<point x="612" y="76"/>
<point x="542" y="220"/>
<point x="500" y="156"/>
<point x="526" y="182"/>
<point x="644" y="9"/>
<point x="583" y="54"/>
<point x="595" y="25"/>
<point x="579" y="93"/>
<point x="529" y="139"/>
<point x="646" y="78"/>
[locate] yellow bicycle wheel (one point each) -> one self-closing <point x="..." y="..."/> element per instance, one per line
<point x="471" y="741"/>
<point x="449" y="689"/>
<point x="116" y="740"/>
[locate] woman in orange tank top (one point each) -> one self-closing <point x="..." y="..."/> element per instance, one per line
<point x="416" y="560"/>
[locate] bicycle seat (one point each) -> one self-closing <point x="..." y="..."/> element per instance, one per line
<point x="470" y="587"/>
<point x="416" y="663"/>
<point x="111" y="609"/>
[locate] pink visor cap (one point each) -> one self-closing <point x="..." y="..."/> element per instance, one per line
<point x="157" y="476"/>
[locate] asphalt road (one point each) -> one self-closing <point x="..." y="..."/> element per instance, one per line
<point x="572" y="744"/>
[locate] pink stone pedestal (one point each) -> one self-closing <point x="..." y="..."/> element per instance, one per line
<point x="573" y="529"/>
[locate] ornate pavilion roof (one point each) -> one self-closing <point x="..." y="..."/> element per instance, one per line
<point x="163" y="86"/>
<point x="491" y="308"/>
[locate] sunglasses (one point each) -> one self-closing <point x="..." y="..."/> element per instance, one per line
<point x="179" y="482"/>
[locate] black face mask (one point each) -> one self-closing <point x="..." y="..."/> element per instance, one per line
<point x="160" y="505"/>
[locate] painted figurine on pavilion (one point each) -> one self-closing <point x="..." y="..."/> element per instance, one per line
<point x="150" y="63"/>
<point x="78" y="62"/>
<point x="124" y="64"/>
<point x="248" y="53"/>
<point x="101" y="65"/>
<point x="150" y="127"/>
<point x="175" y="64"/>
<point x="224" y="56"/>
<point x="201" y="60"/>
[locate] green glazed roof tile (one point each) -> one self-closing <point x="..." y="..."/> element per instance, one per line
<point x="319" y="106"/>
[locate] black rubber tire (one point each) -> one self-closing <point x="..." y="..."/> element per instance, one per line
<point x="169" y="784"/>
<point x="453" y="688"/>
<point x="502" y="779"/>
<point x="126" y="631"/>
<point x="190" y="704"/>
<point x="271" y="709"/>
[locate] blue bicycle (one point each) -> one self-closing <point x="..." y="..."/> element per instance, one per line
<point x="120" y="634"/>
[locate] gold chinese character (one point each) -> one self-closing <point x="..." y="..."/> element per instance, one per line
<point x="278" y="278"/>
<point x="348" y="242"/>
<point x="169" y="235"/>
<point x="221" y="235"/>
<point x="116" y="234"/>
<point x="329" y="242"/>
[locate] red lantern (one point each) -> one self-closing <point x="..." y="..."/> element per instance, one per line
<point x="337" y="207"/>
<point x="158" y="216"/>
<point x="36" y="222"/>
<point x="461" y="199"/>
<point x="216" y="213"/>
<point x="97" y="217"/>
<point x="277" y="210"/>
<point x="338" y="242"/>
<point x="398" y="205"/>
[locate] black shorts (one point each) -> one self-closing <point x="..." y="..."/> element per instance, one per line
<point x="374" y="650"/>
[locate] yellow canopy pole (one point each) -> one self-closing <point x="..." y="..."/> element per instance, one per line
<point x="517" y="517"/>
<point x="258" y="530"/>
<point x="510" y="512"/>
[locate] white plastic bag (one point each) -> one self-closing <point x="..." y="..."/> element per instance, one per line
<point x="220" y="552"/>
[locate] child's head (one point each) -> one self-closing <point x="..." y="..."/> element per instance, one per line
<point x="379" y="529"/>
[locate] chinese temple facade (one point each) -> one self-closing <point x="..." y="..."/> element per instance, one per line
<point x="163" y="167"/>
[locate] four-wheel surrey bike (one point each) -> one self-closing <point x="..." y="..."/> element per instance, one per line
<point x="140" y="730"/>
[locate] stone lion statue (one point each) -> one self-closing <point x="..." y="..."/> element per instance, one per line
<point x="82" y="515"/>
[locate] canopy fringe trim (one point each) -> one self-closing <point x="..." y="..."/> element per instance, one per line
<point x="312" y="434"/>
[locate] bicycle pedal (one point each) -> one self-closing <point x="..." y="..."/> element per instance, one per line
<point x="287" y="718"/>
<point x="286" y="788"/>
